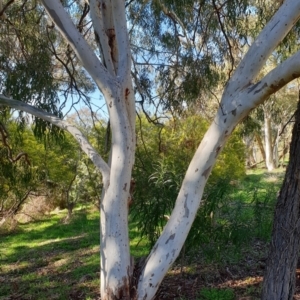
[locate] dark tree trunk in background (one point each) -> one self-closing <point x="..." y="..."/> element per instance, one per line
<point x="280" y="274"/>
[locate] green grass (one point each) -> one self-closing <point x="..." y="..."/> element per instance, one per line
<point x="216" y="294"/>
<point x="233" y="214"/>
<point x="52" y="260"/>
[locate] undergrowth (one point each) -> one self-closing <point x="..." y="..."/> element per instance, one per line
<point x="54" y="259"/>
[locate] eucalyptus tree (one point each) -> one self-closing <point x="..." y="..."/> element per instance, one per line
<point x="36" y="67"/>
<point x="31" y="167"/>
<point x="277" y="113"/>
<point x="26" y="69"/>
<point x="268" y="128"/>
<point x="36" y="63"/>
<point x="112" y="73"/>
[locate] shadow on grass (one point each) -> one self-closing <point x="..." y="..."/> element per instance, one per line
<point x="262" y="178"/>
<point x="51" y="259"/>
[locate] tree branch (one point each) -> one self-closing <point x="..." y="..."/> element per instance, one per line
<point x="269" y="38"/>
<point x="123" y="44"/>
<point x="217" y="10"/>
<point x="80" y="46"/>
<point x="4" y="136"/>
<point x="100" y="19"/>
<point x="80" y="138"/>
<point x="273" y="81"/>
<point x="2" y="12"/>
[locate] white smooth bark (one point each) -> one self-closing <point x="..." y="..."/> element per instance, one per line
<point x="240" y="96"/>
<point x="80" y="46"/>
<point x="276" y="146"/>
<point x="115" y="84"/>
<point x="271" y="35"/>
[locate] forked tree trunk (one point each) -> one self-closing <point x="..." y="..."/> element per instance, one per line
<point x="112" y="75"/>
<point x="279" y="279"/>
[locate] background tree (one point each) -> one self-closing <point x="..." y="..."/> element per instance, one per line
<point x="51" y="167"/>
<point x="267" y="128"/>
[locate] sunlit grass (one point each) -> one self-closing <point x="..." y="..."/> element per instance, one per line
<point x="53" y="259"/>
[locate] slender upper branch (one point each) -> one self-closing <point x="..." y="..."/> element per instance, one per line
<point x="102" y="20"/>
<point x="77" y="134"/>
<point x="269" y="38"/>
<point x="274" y="80"/>
<point x="121" y="31"/>
<point x="82" y="49"/>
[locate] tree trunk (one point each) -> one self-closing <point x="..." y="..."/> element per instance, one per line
<point x="275" y="154"/>
<point x="279" y="279"/>
<point x="276" y="146"/>
<point x="268" y="142"/>
<point x="284" y="152"/>
<point x="112" y="75"/>
<point x="260" y="145"/>
<point x="251" y="155"/>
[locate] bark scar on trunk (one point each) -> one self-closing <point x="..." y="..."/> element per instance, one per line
<point x="127" y="92"/>
<point x="218" y="150"/>
<point x="171" y="237"/>
<point x="187" y="211"/>
<point x="275" y="25"/>
<point x="206" y="172"/>
<point x="121" y="293"/>
<point x="263" y="87"/>
<point x="253" y="87"/>
<point x="111" y="42"/>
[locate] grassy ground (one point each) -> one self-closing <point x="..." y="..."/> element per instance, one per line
<point x="53" y="259"/>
